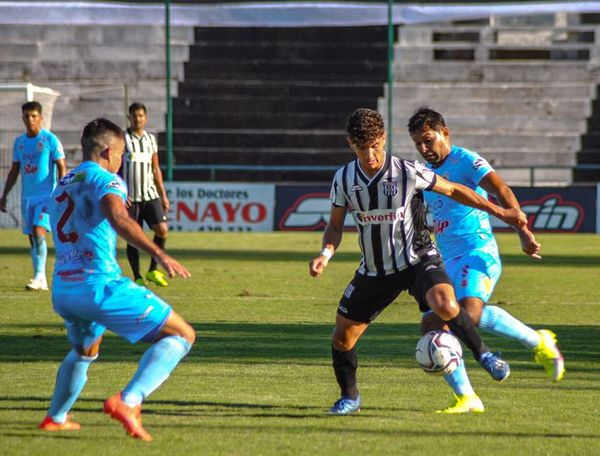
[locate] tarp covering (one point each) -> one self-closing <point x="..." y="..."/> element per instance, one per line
<point x="267" y="14"/>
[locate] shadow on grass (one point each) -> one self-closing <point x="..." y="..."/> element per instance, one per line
<point x="305" y="256"/>
<point x="298" y="344"/>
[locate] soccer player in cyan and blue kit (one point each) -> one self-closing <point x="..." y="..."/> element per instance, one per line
<point x="87" y="211"/>
<point x="39" y="157"/>
<point x="465" y="239"/>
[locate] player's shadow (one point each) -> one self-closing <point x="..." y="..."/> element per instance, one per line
<point x="289" y="343"/>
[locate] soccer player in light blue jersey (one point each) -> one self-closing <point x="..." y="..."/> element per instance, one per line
<point x="87" y="211"/>
<point x="39" y="157"/>
<point x="465" y="239"/>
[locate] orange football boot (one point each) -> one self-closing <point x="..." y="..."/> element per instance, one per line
<point x="130" y="417"/>
<point x="50" y="425"/>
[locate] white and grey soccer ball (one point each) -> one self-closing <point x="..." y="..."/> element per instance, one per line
<point x="438" y="352"/>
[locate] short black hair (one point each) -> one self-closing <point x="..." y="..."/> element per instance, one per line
<point x="133" y="107"/>
<point x="95" y="134"/>
<point x="364" y="125"/>
<point x="31" y="106"/>
<point x="425" y="117"/>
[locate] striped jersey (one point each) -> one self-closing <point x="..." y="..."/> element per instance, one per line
<point x="389" y="212"/>
<point x="137" y="166"/>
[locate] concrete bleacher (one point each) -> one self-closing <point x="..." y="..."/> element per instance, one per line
<point x="520" y="95"/>
<point x="274" y="97"/>
<point x="97" y="69"/>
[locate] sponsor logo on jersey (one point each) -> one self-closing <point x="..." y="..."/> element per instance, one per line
<point x="117" y="184"/>
<point x="356" y="188"/>
<point x="423" y="172"/>
<point x="550" y="213"/>
<point x="390" y="188"/>
<point x="380" y="216"/>
<point x="72" y="178"/>
<point x="440" y="226"/>
<point x="478" y="163"/>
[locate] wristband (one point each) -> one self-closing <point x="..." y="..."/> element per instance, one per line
<point x="327" y="253"/>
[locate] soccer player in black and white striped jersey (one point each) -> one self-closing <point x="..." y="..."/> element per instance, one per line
<point x="147" y="198"/>
<point x="384" y="195"/>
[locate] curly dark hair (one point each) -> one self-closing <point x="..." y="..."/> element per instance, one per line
<point x="364" y="125"/>
<point x="425" y="117"/>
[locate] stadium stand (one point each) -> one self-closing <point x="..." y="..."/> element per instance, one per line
<point x="518" y="94"/>
<point x="97" y="70"/>
<point x="276" y="97"/>
<point x="259" y="98"/>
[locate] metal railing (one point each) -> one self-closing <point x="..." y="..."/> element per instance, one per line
<point x="214" y="168"/>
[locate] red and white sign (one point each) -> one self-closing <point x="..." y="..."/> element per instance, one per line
<point x="197" y="206"/>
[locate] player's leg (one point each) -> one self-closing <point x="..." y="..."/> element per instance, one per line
<point x="157" y="220"/>
<point x="171" y="344"/>
<point x="36" y="223"/>
<point x="363" y="300"/>
<point x="479" y="273"/>
<point x="171" y="339"/>
<point x="133" y="254"/>
<point x="71" y="377"/>
<point x="465" y="398"/>
<point x="433" y="290"/>
<point x="442" y="301"/>
<point x="345" y="363"/>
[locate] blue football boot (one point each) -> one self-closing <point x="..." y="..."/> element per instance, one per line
<point x="496" y="367"/>
<point x="345" y="406"/>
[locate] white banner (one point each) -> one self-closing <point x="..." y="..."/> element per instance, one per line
<point x="285" y="14"/>
<point x="197" y="206"/>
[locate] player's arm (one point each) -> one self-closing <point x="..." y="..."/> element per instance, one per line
<point x="158" y="179"/>
<point x="114" y="210"/>
<point x="331" y="240"/>
<point x="12" y="177"/>
<point x="495" y="185"/>
<point x="468" y="197"/>
<point x="61" y="167"/>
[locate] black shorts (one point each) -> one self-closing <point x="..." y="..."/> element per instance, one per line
<point x="366" y="297"/>
<point x="150" y="212"/>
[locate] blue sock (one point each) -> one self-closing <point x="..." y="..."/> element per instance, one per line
<point x="70" y="380"/>
<point x="155" y="367"/>
<point x="39" y="252"/>
<point x="499" y="321"/>
<point x="459" y="381"/>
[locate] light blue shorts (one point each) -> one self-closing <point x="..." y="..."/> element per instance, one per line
<point x="35" y="213"/>
<point x="475" y="275"/>
<point x="119" y="305"/>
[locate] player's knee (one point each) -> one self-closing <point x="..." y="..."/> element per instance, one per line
<point x="161" y="230"/>
<point x="446" y="308"/>
<point x="474" y="308"/>
<point x="188" y="333"/>
<point x="342" y="343"/>
<point x="91" y="351"/>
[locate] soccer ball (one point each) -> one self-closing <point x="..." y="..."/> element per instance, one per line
<point x="438" y="352"/>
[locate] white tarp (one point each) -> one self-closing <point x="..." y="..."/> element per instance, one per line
<point x="267" y="14"/>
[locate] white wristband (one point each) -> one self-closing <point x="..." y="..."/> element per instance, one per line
<point x="327" y="253"/>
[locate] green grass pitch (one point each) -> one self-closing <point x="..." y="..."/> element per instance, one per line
<point x="259" y="381"/>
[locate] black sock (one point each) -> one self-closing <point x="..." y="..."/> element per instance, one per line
<point x="463" y="327"/>
<point x="159" y="241"/>
<point x="344" y="366"/>
<point x="133" y="255"/>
